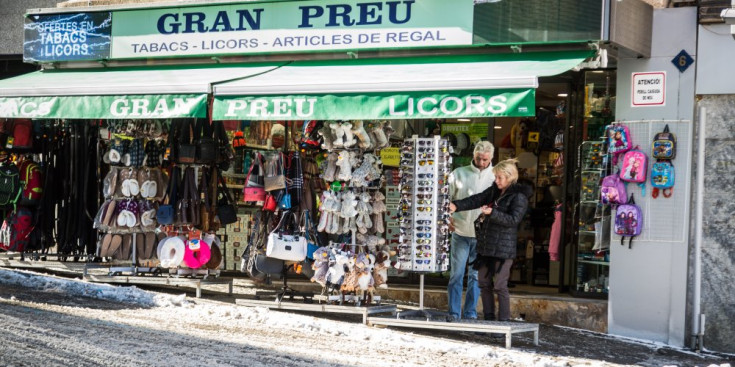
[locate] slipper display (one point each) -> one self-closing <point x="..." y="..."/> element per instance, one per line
<point x="114" y="247"/>
<point x="126" y="247"/>
<point x="105" y="245"/>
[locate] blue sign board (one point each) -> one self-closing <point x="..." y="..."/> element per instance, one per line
<point x="682" y="61"/>
<point x="67" y="37"/>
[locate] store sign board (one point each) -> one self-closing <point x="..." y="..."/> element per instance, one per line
<point x="649" y="89"/>
<point x="67" y="37"/>
<point x="290" y="26"/>
<point x="106" y="107"/>
<point x="391" y="157"/>
<point x="409" y="105"/>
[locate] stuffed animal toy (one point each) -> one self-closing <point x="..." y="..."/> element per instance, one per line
<point x="336" y="207"/>
<point x="380" y="270"/>
<point x="330" y="171"/>
<point x="325" y="210"/>
<point x="364" y="209"/>
<point x="337" y="264"/>
<point x="359" y="176"/>
<point x="362" y="135"/>
<point x="363" y="269"/>
<point x="349" y="205"/>
<point x="344" y="163"/>
<point x="378" y="209"/>
<point x="349" y="140"/>
<point x="320" y="266"/>
<point x="327" y="137"/>
<point x="376" y="167"/>
<point x="378" y="135"/>
<point x="338" y="133"/>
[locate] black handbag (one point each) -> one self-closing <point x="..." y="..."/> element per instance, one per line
<point x="226" y="210"/>
<point x="206" y="145"/>
<point x="187" y="209"/>
<point x="225" y="153"/>
<point x="187" y="150"/>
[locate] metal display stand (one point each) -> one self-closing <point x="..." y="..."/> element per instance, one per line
<point x="320" y="307"/>
<point x="424" y="239"/>
<point x="157" y="277"/>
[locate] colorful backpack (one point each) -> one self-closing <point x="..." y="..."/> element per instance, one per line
<point x="662" y="177"/>
<point x="635" y="163"/>
<point x="628" y="221"/>
<point x="612" y="190"/>
<point x="31" y="181"/>
<point x="664" y="145"/>
<point x="22" y="133"/>
<point x="9" y="184"/>
<point x="15" y="234"/>
<point x="619" y="140"/>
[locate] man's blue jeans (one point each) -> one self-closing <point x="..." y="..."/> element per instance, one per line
<point x="463" y="251"/>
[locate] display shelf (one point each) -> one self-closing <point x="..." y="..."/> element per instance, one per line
<point x="594" y="262"/>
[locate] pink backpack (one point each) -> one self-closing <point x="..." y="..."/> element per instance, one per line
<point x="635" y="164"/>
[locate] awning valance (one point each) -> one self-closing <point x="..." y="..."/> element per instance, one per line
<point x="152" y="92"/>
<point x="404" y="88"/>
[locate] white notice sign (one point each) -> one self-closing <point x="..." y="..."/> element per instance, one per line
<point x="649" y="89"/>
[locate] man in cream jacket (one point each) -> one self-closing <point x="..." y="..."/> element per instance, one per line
<point x="464" y="182"/>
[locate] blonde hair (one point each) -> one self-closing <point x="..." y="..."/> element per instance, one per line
<point x="508" y="169"/>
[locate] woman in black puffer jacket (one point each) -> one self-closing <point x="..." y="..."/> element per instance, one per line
<point x="503" y="207"/>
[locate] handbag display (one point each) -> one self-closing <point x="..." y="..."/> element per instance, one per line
<point x="225" y="154"/>
<point x="165" y="212"/>
<point x="275" y="178"/>
<point x="288" y="247"/>
<point x="284" y="202"/>
<point x="187" y="150"/>
<point x="270" y="203"/>
<point x="250" y="193"/>
<point x="187" y="208"/>
<point x="205" y="143"/>
<point x="226" y="210"/>
<point x="255" y="179"/>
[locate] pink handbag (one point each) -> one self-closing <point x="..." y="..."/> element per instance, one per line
<point x="252" y="193"/>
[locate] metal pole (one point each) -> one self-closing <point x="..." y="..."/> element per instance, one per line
<point x="697" y="332"/>
<point x="421" y="291"/>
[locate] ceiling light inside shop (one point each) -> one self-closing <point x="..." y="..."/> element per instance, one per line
<point x="497" y="127"/>
<point x="562" y="94"/>
<point x="463" y="120"/>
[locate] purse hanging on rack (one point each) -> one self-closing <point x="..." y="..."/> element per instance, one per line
<point x="205" y="143"/>
<point x="187" y="209"/>
<point x="250" y="192"/>
<point x="275" y="179"/>
<point x="187" y="150"/>
<point x="226" y="210"/>
<point x="165" y="212"/>
<point x="288" y="247"/>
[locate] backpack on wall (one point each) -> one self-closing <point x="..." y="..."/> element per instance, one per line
<point x="9" y="184"/>
<point x="664" y="145"/>
<point x="15" y="233"/>
<point x="31" y="181"/>
<point x="662" y="177"/>
<point x="21" y="132"/>
<point x="628" y="221"/>
<point x="635" y="164"/>
<point x="612" y="190"/>
<point x="618" y="139"/>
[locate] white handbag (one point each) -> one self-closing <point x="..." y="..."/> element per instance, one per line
<point x="284" y="246"/>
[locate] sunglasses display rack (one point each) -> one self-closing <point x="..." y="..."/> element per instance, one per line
<point x="423" y="208"/>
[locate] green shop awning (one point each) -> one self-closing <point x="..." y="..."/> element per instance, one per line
<point x="119" y="93"/>
<point x="403" y="88"/>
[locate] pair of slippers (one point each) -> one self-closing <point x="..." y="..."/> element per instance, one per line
<point x="115" y="246"/>
<point x="130" y="187"/>
<point x="149" y="189"/>
<point x="126" y="218"/>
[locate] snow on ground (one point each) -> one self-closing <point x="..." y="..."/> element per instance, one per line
<point x="49" y="321"/>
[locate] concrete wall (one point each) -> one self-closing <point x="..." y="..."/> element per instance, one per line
<point x="648" y="282"/>
<point x="11" y="23"/>
<point x="716" y="92"/>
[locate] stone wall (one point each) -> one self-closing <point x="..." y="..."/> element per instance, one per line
<point x="718" y="247"/>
